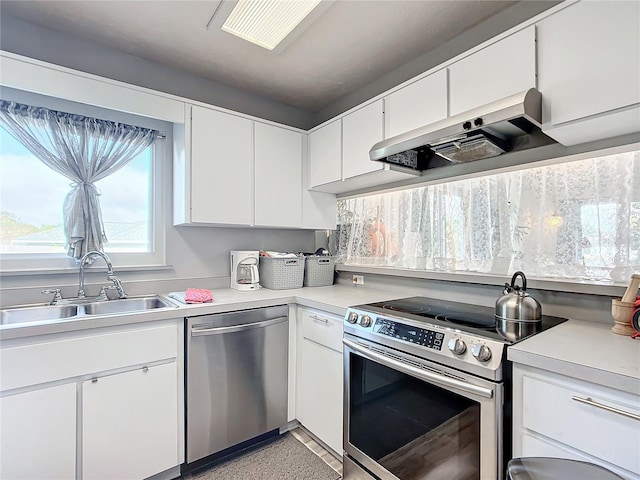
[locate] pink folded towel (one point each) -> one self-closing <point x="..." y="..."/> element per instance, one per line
<point x="198" y="295"/>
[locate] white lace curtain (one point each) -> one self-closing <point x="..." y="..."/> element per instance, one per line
<point x="84" y="150"/>
<point x="576" y="221"/>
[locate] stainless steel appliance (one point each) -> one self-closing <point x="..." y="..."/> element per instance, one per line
<point x="517" y="313"/>
<point x="427" y="392"/>
<point x="236" y="378"/>
<point x="508" y="124"/>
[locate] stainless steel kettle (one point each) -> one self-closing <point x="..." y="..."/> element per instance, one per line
<point x="517" y="313"/>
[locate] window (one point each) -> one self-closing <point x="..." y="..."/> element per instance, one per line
<point x="32" y="195"/>
<point x="578" y="220"/>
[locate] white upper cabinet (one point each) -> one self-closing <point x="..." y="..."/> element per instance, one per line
<point x="360" y="131"/>
<point x="416" y="105"/>
<point x="501" y="69"/>
<point x="278" y="176"/>
<point x="339" y="153"/>
<point x="221" y="168"/>
<point x="231" y="170"/>
<point x="319" y="209"/>
<point x="589" y="71"/>
<point x="325" y="154"/>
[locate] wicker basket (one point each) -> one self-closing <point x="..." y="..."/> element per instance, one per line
<point x="318" y="271"/>
<point x="281" y="273"/>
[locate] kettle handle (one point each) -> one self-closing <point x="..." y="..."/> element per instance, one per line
<point x="524" y="281"/>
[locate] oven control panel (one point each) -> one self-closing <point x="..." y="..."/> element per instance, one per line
<point x="408" y="333"/>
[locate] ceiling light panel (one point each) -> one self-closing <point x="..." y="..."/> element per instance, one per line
<point x="267" y="22"/>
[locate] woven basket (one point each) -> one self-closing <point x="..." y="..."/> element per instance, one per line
<point x="281" y="273"/>
<point x="318" y="271"/>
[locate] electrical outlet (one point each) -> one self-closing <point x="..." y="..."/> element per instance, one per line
<point x="358" y="280"/>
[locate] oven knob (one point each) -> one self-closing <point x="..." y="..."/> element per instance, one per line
<point x="352" y="318"/>
<point x="481" y="352"/>
<point x="457" y="346"/>
<point x="365" y="321"/>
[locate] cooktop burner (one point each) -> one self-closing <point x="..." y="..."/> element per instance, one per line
<point x="415" y="309"/>
<point x="469" y="319"/>
<point x="473" y="319"/>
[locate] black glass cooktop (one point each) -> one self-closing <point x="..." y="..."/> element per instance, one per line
<point x="468" y="318"/>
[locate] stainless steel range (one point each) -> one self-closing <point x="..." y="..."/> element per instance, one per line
<point x="427" y="391"/>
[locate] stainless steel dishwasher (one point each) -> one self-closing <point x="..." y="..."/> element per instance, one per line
<point x="236" y="378"/>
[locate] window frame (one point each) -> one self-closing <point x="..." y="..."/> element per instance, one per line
<point x="161" y="155"/>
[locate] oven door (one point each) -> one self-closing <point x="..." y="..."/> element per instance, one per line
<point x="410" y="419"/>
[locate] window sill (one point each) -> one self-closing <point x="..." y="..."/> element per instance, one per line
<point x="559" y="285"/>
<point x="67" y="270"/>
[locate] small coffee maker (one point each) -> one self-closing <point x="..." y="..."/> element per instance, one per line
<point x="244" y="270"/>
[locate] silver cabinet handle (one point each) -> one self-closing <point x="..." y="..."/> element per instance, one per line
<point x="196" y="332"/>
<point x="320" y="319"/>
<point x="593" y="403"/>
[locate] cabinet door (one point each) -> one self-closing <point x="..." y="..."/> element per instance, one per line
<point x="319" y="376"/>
<point x="278" y="176"/>
<point x="418" y="104"/>
<point x="320" y="398"/>
<point x="325" y="154"/>
<point x="360" y="131"/>
<point x="38" y="434"/>
<point x="589" y="59"/>
<point x="221" y="168"/>
<point x="504" y="68"/>
<point x="130" y="424"/>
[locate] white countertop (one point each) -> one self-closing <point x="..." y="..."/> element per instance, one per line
<point x="333" y="299"/>
<point x="584" y="350"/>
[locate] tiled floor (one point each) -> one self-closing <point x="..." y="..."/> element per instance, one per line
<point x="302" y="435"/>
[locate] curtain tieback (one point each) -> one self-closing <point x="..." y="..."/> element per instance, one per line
<point x="88" y="185"/>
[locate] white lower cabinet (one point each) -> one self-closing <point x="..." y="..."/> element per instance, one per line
<point x="320" y="376"/>
<point x="130" y="423"/>
<point x="559" y="416"/>
<point x="38" y="434"/>
<point x="101" y="404"/>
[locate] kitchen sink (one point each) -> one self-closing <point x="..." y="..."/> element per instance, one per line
<point x="127" y="305"/>
<point x="37" y="313"/>
<point x="82" y="309"/>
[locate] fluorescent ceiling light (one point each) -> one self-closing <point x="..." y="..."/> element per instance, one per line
<point x="267" y="22"/>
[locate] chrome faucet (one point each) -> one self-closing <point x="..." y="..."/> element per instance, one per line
<point x="86" y="259"/>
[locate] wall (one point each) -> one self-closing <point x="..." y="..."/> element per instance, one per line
<point x="24" y="38"/>
<point x="579" y="306"/>
<point x="195" y="256"/>
<point x="30" y="40"/>
<point x="482" y="32"/>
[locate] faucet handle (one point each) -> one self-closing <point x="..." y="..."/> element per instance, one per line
<point x="103" y="291"/>
<point x="117" y="285"/>
<point x="57" y="295"/>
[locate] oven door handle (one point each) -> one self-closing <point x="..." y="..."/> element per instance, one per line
<point x="418" y="372"/>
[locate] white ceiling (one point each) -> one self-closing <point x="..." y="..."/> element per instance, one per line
<point x="351" y="44"/>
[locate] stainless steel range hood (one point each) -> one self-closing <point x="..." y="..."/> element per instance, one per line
<point x="483" y="132"/>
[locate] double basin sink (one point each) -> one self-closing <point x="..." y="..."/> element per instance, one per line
<point x="39" y="313"/>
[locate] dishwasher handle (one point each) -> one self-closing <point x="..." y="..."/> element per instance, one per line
<point x="197" y="332"/>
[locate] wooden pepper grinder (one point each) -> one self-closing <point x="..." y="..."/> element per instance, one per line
<point x="622" y="310"/>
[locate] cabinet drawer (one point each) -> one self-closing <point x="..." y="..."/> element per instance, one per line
<point x="59" y="359"/>
<point x="559" y="411"/>
<point x="322" y="328"/>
